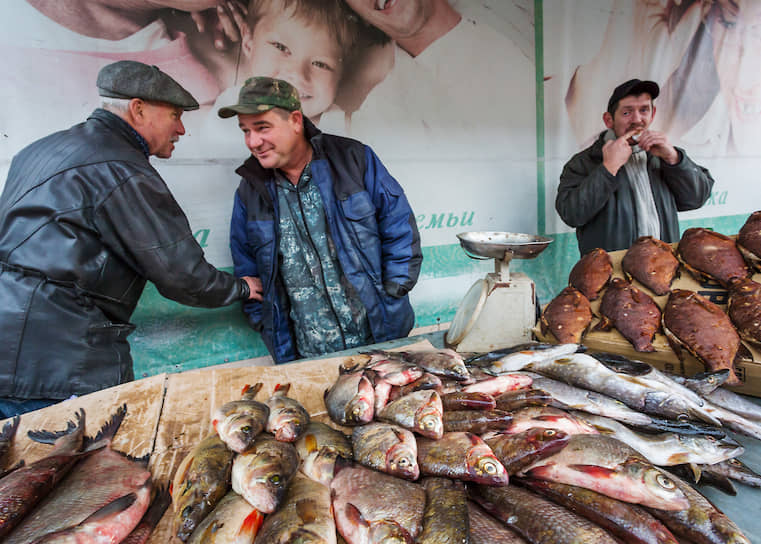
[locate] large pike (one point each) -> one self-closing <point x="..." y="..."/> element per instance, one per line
<point x="201" y="480"/>
<point x="519" y="360"/>
<point x="22" y="489"/>
<point x="536" y="519"/>
<point x="608" y="466"/>
<point x="304" y="516"/>
<point x="628" y="383"/>
<point x="700" y="522"/>
<point x="667" y="449"/>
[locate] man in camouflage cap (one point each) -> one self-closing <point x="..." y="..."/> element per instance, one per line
<point x="86" y="221"/>
<point x="324" y="229"/>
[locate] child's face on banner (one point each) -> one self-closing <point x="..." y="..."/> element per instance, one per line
<point x="736" y="41"/>
<point x="306" y="56"/>
<point x="398" y="18"/>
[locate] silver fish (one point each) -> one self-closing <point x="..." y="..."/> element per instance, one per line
<point x="351" y="399"/>
<point x="666" y="449"/>
<point x="288" y="418"/>
<point x="519" y="360"/>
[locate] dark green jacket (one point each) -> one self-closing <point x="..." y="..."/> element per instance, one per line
<point x="601" y="206"/>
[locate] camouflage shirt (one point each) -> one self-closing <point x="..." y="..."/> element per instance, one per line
<point x="325" y="309"/>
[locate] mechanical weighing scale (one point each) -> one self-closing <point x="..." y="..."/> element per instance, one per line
<point x="500" y="310"/>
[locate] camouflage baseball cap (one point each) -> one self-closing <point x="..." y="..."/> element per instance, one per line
<point x="261" y="94"/>
<point x="132" y="79"/>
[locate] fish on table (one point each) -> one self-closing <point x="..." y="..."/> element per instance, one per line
<point x="420" y="412"/>
<point x="744" y="308"/>
<point x="711" y="257"/>
<point x="486" y="529"/>
<point x="591" y="273"/>
<point x="567" y="317"/>
<point x="516" y="451"/>
<point x="387" y="448"/>
<point x="232" y="521"/>
<point x="239" y="422"/>
<point x="320" y="447"/>
<point x="462" y="456"/>
<point x="446" y="519"/>
<point x="651" y="262"/>
<point x="632" y="312"/>
<point x="749" y="240"/>
<point x="351" y="399"/>
<point x="287" y="418"/>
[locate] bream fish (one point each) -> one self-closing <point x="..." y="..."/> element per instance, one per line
<point x="516" y="451"/>
<point x="567" y="317"/>
<point x="652" y="263"/>
<point x="319" y="448"/>
<point x="462" y="456"/>
<point x="351" y="398"/>
<point x="632" y="312"/>
<point x="591" y="273"/>
<point x="446" y="519"/>
<point x="388" y="448"/>
<point x="233" y="521"/>
<point x="419" y="412"/>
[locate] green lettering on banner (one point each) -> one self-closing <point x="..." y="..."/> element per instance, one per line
<point x="717" y="198"/>
<point x="436" y="220"/>
<point x="202" y="237"/>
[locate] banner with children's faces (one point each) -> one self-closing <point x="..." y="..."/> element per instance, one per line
<point x="453" y="116"/>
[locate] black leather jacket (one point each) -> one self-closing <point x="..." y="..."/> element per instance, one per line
<point x="601" y="206"/>
<point x="85" y="220"/>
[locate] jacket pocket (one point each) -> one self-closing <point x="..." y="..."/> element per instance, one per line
<point x="359" y="210"/>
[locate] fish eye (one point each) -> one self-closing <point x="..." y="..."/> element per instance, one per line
<point x="489" y="467"/>
<point x="246" y="429"/>
<point x="275" y="479"/>
<point x="734" y="462"/>
<point x="665" y="482"/>
<point x="682" y="418"/>
<point x="550" y="432"/>
<point x="403" y="462"/>
<point x="187" y="511"/>
<point x="711" y="438"/>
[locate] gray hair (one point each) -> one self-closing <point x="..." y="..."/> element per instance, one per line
<point x="119" y="106"/>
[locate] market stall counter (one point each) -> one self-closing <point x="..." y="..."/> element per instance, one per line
<point x="168" y="415"/>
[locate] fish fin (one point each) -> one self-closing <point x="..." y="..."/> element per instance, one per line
<point x="354" y="515"/>
<point x="602" y="429"/>
<point x="109" y="428"/>
<point x="160" y="502"/>
<point x="214" y="423"/>
<point x="144" y="460"/>
<point x="114" y="507"/>
<point x="251" y="525"/>
<point x="605" y="324"/>
<point x="743" y="354"/>
<point x="306" y="510"/>
<point x="249" y="392"/>
<point x="49" y="437"/>
<point x="181" y="474"/>
<point x="696" y="471"/>
<point x="594" y="470"/>
<point x="310" y="442"/>
<point x="282" y="389"/>
<point x="544" y="326"/>
<point x="9" y="429"/>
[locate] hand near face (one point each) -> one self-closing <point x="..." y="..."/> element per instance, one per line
<point x="255" y="287"/>
<point x="226" y="23"/>
<point x="616" y="152"/>
<point x="655" y="142"/>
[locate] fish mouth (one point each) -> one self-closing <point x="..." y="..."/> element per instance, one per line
<point x="381" y="5"/>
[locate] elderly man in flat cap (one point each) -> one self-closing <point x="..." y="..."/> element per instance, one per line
<point x="323" y="227"/>
<point x="85" y="220"/>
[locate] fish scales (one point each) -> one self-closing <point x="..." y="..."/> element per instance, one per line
<point x="446" y="519"/>
<point x="232" y="521"/>
<point x="287" y="418"/>
<point x="631" y="523"/>
<point x="93" y="483"/>
<point x="632" y="312"/>
<point x="388" y="448"/>
<point x="359" y="505"/>
<point x="516" y="451"/>
<point x="485" y="529"/>
<point x="462" y="456"/>
<point x="536" y="519"/>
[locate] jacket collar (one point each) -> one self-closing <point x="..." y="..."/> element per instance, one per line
<point x="119" y="125"/>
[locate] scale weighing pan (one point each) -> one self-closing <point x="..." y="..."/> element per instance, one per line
<point x="502" y="245"/>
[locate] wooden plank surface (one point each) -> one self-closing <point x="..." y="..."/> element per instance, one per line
<point x="167" y="415"/>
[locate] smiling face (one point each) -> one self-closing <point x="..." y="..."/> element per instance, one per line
<point x="161" y="126"/>
<point x="272" y="137"/>
<point x="398" y="18"/>
<point x="632" y="113"/>
<point x="306" y="56"/>
<point x="736" y="42"/>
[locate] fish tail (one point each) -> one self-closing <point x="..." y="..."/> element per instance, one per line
<point x="9" y="429"/>
<point x="109" y="428"/>
<point x="49" y="437"/>
<point x="249" y="391"/>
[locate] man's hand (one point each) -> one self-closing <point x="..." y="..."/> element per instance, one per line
<point x="656" y="143"/>
<point x="616" y="152"/>
<point x="255" y="287"/>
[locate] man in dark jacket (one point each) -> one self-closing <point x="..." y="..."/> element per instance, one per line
<point x="85" y="220"/>
<point x="631" y="182"/>
<point x="323" y="226"/>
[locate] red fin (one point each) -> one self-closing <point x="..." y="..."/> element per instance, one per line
<point x="214" y="424"/>
<point x="251" y="524"/>
<point x="594" y="470"/>
<point x="245" y="389"/>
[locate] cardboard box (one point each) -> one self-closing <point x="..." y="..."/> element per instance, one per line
<point x="664" y="357"/>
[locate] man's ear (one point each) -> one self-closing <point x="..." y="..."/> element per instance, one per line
<point x="607" y="118"/>
<point x="653" y="115"/>
<point x="296" y="119"/>
<point x="136" y="109"/>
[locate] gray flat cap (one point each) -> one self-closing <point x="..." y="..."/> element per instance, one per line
<point x="132" y="79"/>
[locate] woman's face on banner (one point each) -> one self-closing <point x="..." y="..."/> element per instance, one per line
<point x="736" y="41"/>
<point x="398" y="18"/>
<point x="306" y="56"/>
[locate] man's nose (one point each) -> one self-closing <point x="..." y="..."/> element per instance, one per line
<point x="180" y="128"/>
<point x="253" y="140"/>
